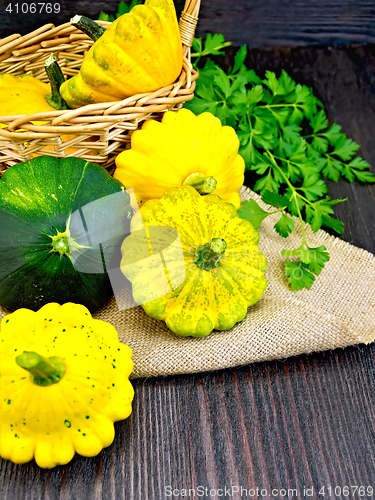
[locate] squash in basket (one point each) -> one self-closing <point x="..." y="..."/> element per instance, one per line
<point x="23" y="95"/>
<point x="49" y="252"/>
<point x="26" y="95"/>
<point x="139" y="52"/>
<point x="183" y="149"/>
<point x="63" y="382"/>
<point x="223" y="264"/>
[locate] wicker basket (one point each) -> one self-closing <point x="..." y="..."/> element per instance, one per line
<point x="98" y="132"/>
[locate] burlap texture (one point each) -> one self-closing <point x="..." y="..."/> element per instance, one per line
<point x="339" y="310"/>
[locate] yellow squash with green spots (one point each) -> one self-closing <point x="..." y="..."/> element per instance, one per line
<point x="183" y="149"/>
<point x="63" y="382"/>
<point x="223" y="264"/>
<point x="139" y="52"/>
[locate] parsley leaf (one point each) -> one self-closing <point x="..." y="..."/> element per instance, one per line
<point x="298" y="276"/>
<point x="332" y="223"/>
<point x="214" y="44"/>
<point x="284" y="226"/>
<point x="275" y="199"/>
<point x="345" y="148"/>
<point x="123" y="8"/>
<point x="239" y="59"/>
<point x="313" y="187"/>
<point x="318" y="257"/>
<point x="251" y="211"/>
<point x="106" y="17"/>
<point x="313" y="258"/>
<point x="358" y="168"/>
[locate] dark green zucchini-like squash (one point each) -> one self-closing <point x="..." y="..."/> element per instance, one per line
<point x="61" y="226"/>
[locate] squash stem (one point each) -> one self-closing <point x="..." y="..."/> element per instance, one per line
<point x="202" y="183"/>
<point x="208" y="256"/>
<point x="43" y="371"/>
<point x="60" y="243"/>
<point x="56" y="79"/>
<point x="87" y="26"/>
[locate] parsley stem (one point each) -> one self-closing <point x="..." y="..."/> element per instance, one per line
<point x="210" y="51"/>
<point x="273" y="160"/>
<point x="198" y="56"/>
<point x="277" y="211"/>
<point x="286" y="161"/>
<point x="294" y="194"/>
<point x="289" y="184"/>
<point x="282" y="105"/>
<point x="304" y="198"/>
<point x="310" y="136"/>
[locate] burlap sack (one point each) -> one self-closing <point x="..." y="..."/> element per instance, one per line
<point x="338" y="311"/>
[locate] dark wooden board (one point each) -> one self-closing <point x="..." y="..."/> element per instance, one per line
<point x="307" y="422"/>
<point x="257" y="23"/>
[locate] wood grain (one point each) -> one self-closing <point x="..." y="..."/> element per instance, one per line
<point x="257" y="23"/>
<point x="304" y="422"/>
<point x="307" y="422"/>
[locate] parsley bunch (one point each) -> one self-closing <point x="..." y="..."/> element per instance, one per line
<point x="286" y="140"/>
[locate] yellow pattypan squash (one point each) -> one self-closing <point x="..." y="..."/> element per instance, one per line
<point x="139" y="52"/>
<point x="26" y="95"/>
<point x="223" y="264"/>
<point x="184" y="149"/>
<point x="23" y="95"/>
<point x="63" y="382"/>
